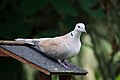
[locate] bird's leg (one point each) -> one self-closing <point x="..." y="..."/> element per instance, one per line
<point x="64" y="63"/>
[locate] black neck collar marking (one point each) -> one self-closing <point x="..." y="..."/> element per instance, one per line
<point x="71" y="34"/>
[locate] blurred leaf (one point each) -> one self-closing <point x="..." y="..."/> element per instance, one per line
<point x="20" y="30"/>
<point x="70" y="22"/>
<point x="6" y="32"/>
<point x="42" y="4"/>
<point x="55" y="77"/>
<point x="7" y="27"/>
<point x="95" y="14"/>
<point x="97" y="74"/>
<point x="64" y="7"/>
<point x="48" y="33"/>
<point x="13" y="18"/>
<point x="23" y="30"/>
<point x="29" y="7"/>
<point x="118" y="78"/>
<point x="14" y="26"/>
<point x="96" y="6"/>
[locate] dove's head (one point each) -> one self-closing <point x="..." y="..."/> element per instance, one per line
<point x="80" y="27"/>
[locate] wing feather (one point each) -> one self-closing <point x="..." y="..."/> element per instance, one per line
<point x="56" y="47"/>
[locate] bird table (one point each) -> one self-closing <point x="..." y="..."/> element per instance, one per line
<point x="32" y="56"/>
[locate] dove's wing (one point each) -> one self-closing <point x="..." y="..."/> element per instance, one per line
<point x="55" y="47"/>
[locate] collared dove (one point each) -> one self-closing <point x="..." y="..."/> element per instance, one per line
<point x="62" y="47"/>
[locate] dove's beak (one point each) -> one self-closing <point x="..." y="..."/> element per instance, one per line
<point x="84" y="30"/>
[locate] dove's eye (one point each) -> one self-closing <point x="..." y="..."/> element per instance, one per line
<point x="78" y="26"/>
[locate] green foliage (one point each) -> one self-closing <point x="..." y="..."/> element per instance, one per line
<point x="30" y="7"/>
<point x="87" y="6"/>
<point x="118" y="78"/>
<point x="64" y="7"/>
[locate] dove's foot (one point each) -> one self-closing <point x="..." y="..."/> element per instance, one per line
<point x="64" y="63"/>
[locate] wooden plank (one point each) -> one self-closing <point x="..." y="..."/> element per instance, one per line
<point x="43" y="76"/>
<point x="65" y="77"/>
<point x="24" y="61"/>
<point x="11" y="42"/>
<point x="34" y="55"/>
<point x="2" y="54"/>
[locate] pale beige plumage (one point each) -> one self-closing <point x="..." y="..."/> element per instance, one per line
<point x="55" y="47"/>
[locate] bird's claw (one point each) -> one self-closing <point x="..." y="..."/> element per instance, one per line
<point x="64" y="63"/>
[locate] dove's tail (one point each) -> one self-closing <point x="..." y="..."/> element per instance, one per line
<point x="21" y="39"/>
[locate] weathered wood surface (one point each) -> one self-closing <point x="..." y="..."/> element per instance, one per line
<point x="2" y="54"/>
<point x="2" y="42"/>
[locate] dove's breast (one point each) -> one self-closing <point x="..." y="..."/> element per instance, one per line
<point x="74" y="49"/>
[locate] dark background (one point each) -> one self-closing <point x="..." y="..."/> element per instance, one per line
<point x="49" y="18"/>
